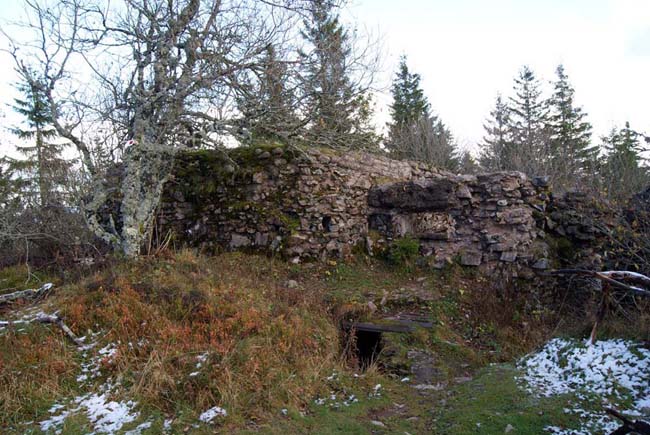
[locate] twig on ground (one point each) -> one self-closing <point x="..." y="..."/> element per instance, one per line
<point x="612" y="277"/>
<point x="54" y="319"/>
<point x="25" y="294"/>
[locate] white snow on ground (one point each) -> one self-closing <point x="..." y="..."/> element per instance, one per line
<point x="610" y="370"/>
<point x="139" y="428"/>
<point x="211" y="413"/>
<point x="106" y="416"/>
<point x="90" y="369"/>
<point x="202" y="358"/>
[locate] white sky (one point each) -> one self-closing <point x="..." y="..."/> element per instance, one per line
<point x="469" y="50"/>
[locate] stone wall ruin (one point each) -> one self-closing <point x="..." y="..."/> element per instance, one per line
<point x="318" y="203"/>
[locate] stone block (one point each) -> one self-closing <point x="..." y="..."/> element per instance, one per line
<point x="414" y="196"/>
<point x="238" y="241"/>
<point x="508" y="257"/>
<point x="463" y="192"/>
<point x="541" y="264"/>
<point x="471" y="258"/>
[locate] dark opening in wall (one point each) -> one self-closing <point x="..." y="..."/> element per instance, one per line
<point x="327" y="224"/>
<point x="368" y="347"/>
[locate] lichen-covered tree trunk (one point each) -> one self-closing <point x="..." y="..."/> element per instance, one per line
<point x="147" y="169"/>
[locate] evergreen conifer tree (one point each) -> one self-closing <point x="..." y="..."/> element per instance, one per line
<point x="268" y="103"/>
<point x="623" y="171"/>
<point x="339" y="110"/>
<point x="11" y="186"/>
<point x="528" y="117"/>
<point x="498" y="148"/>
<point x="571" y="152"/>
<point x="414" y="133"/>
<point x="409" y="102"/>
<point x="43" y="168"/>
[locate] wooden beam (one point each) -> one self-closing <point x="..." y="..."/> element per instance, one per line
<point x="398" y="326"/>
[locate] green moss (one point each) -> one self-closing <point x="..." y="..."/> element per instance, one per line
<point x="404" y="251"/>
<point x="563" y="248"/>
<point x="538" y="215"/>
<point x="385" y="180"/>
<point x="19" y="277"/>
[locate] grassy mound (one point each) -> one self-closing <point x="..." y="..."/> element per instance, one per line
<point x="186" y="333"/>
<point x="241" y="343"/>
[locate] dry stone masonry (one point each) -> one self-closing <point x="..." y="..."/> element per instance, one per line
<point x="318" y="203"/>
<point x="479" y="220"/>
<point x="307" y="205"/>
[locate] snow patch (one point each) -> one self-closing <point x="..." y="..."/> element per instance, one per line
<point x="212" y="413"/>
<point x="138" y="430"/>
<point x="202" y="359"/>
<point x="105" y="415"/>
<point x="90" y="369"/>
<point x="609" y="370"/>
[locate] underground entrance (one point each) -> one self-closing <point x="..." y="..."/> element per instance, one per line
<point x="366" y="337"/>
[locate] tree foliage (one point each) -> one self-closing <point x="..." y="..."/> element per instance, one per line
<point x="571" y="152"/>
<point x="622" y="170"/>
<point x="268" y="100"/>
<point x="498" y="147"/>
<point x="414" y="132"/>
<point x="528" y="117"/>
<point x="409" y="102"/>
<point x="542" y="136"/>
<point x="337" y="104"/>
<point x="42" y="169"/>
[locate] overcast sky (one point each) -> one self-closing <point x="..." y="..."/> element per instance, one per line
<point x="469" y="50"/>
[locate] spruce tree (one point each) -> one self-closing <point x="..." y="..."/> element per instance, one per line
<point x="267" y="103"/>
<point x="339" y="110"/>
<point x="623" y="172"/>
<point x="497" y="148"/>
<point x="43" y="168"/>
<point x="415" y="133"/>
<point x="409" y="102"/>
<point x="467" y="164"/>
<point x="528" y="117"/>
<point x="571" y="152"/>
<point x="12" y="185"/>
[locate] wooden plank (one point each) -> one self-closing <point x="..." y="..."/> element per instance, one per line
<point x="399" y="326"/>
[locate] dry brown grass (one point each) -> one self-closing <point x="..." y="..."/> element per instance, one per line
<point x="268" y="346"/>
<point x="35" y="368"/>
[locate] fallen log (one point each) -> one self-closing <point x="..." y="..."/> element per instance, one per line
<point x="43" y="318"/>
<point x="612" y="277"/>
<point x="629" y="426"/>
<point x="25" y="294"/>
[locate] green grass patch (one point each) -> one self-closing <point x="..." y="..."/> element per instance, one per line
<point x="493" y="400"/>
<point x="20" y="277"/>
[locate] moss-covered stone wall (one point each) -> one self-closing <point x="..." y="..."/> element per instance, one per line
<point x="309" y="204"/>
<point x="319" y="203"/>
